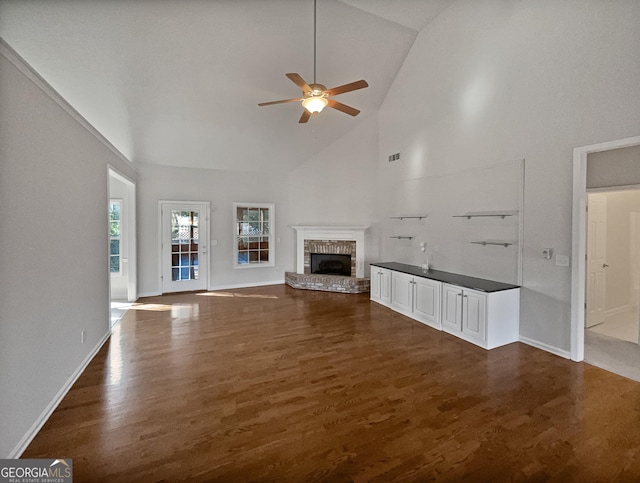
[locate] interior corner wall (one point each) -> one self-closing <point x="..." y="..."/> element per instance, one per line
<point x="53" y="250"/>
<point x="493" y="81"/>
<point x="339" y="186"/>
<point x="221" y="188"/>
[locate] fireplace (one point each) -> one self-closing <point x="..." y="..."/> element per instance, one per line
<point x="331" y="264"/>
<point x="329" y="258"/>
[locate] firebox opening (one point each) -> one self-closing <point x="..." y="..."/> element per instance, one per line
<point x="331" y="264"/>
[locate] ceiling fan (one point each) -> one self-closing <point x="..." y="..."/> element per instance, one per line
<point x="316" y="97"/>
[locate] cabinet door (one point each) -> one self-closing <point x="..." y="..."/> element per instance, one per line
<point x="402" y="291"/>
<point x="474" y="315"/>
<point x="451" y="308"/>
<point x="375" y="283"/>
<point x="426" y="304"/>
<point x="385" y="285"/>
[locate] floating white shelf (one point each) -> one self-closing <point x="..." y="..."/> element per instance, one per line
<point x="408" y="217"/>
<point x="468" y="217"/>
<point x="497" y="243"/>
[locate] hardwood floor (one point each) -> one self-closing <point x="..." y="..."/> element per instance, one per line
<point x="279" y="384"/>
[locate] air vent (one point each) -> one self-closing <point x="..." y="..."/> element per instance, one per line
<point x="394" y="157"/>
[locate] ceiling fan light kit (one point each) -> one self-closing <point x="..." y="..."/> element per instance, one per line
<point x="315" y="97"/>
<point x="315" y="103"/>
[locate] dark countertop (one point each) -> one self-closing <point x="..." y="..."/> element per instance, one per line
<point x="479" y="284"/>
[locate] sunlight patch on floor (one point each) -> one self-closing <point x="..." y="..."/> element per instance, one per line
<point x="235" y="294"/>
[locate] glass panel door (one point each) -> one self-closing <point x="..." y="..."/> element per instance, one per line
<point x="184" y="246"/>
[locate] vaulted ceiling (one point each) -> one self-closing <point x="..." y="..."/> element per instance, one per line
<point x="178" y="82"/>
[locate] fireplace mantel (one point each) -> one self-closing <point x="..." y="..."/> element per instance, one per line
<point x="330" y="232"/>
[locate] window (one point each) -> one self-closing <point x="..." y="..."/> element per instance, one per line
<point x="185" y="243"/>
<point x="115" y="225"/>
<point x="254" y="235"/>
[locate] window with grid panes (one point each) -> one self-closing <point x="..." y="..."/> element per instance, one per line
<point x="254" y="235"/>
<point x="115" y="207"/>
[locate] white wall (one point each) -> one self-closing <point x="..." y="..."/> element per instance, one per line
<point x="53" y="249"/>
<point x="615" y="167"/>
<point x="339" y="186"/>
<point x="496" y="80"/>
<point x="443" y="199"/>
<point x="221" y="188"/>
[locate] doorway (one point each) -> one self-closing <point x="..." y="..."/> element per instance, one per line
<point x="184" y="228"/>
<point x="579" y="231"/>
<point x="122" y="244"/>
<point x="613" y="268"/>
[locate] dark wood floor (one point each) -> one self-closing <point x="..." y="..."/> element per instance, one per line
<point x="278" y="384"/>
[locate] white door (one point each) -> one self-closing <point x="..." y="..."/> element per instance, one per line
<point x="596" y="258"/>
<point x="385" y="286"/>
<point x="427" y="300"/>
<point x="451" y="308"/>
<point x="474" y="315"/>
<point x="185" y="230"/>
<point x="375" y="283"/>
<point x="402" y="291"/>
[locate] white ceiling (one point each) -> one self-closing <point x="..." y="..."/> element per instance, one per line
<point x="177" y="82"/>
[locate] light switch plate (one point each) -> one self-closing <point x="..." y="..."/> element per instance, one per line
<point x="562" y="260"/>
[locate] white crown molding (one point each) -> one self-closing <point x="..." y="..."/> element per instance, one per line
<point x="23" y="66"/>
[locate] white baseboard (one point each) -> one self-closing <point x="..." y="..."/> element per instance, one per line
<point x="57" y="399"/>
<point x="545" y="347"/>
<point x="149" y="294"/>
<point x="247" y="285"/>
<point x="617" y="310"/>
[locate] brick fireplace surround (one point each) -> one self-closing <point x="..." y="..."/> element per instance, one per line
<point x="345" y="240"/>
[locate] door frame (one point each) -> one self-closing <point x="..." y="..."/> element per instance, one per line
<point x="206" y="233"/>
<point x="579" y="237"/>
<point x="128" y="204"/>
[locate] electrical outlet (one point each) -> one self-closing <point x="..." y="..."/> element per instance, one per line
<point x="83" y="335"/>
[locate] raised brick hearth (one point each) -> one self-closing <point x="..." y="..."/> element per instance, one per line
<point x="327" y="283"/>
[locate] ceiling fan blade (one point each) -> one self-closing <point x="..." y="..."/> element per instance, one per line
<point x="280" y="102"/>
<point x="361" y="84"/>
<point x="343" y="107"/>
<point x="299" y="81"/>
<point x="305" y="116"/>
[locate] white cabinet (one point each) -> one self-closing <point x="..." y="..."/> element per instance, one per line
<point x="487" y="315"/>
<point x="485" y="319"/>
<point x="417" y="297"/>
<point x="381" y="285"/>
